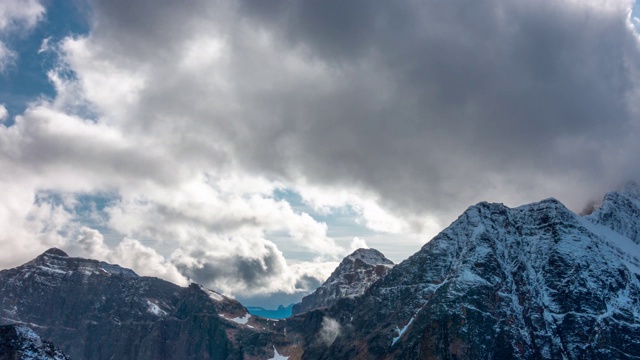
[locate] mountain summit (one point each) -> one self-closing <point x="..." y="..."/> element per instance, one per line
<point x="351" y="278"/>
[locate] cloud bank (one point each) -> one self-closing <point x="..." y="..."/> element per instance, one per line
<point x="191" y="117"/>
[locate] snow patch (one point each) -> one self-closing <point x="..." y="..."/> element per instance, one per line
<point x="277" y="356"/>
<point x="215" y="296"/>
<point x="52" y="270"/>
<point x="117" y="270"/>
<point x="470" y="277"/>
<point x="155" y="309"/>
<point x="402" y="331"/>
<point x="238" y="320"/>
<point x="243" y="320"/>
<point x="623" y="243"/>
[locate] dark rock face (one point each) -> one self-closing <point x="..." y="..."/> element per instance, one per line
<point x="355" y="274"/>
<point x="95" y="310"/>
<point x="18" y="342"/>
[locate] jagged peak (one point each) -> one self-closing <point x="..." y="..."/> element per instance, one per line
<point x="551" y="200"/>
<point x="629" y="192"/>
<point x="370" y="256"/>
<point x="631" y="189"/>
<point x="55" y="251"/>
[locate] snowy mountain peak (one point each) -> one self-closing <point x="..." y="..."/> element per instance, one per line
<point x="620" y="212"/>
<point x="631" y="189"/>
<point x="57" y="262"/>
<point x="56" y="252"/>
<point x="370" y="256"/>
<point x="355" y="274"/>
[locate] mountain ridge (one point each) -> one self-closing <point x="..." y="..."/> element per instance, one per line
<point x="534" y="281"/>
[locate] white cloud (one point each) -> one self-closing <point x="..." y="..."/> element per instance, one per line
<point x="330" y="330"/>
<point x="28" y="225"/>
<point x="4" y="114"/>
<point x="132" y="254"/>
<point x="193" y="115"/>
<point x="358" y="243"/>
<point x="20" y="14"/>
<point x="7" y="57"/>
<point x="45" y="45"/>
<point x="16" y="16"/>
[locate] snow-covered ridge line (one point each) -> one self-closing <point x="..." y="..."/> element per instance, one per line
<point x="56" y="261"/>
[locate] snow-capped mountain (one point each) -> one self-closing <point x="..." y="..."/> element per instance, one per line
<point x="351" y="278"/>
<point x="19" y="342"/>
<point x="532" y="282"/>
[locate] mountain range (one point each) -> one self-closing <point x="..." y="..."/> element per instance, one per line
<point x="532" y="282"/>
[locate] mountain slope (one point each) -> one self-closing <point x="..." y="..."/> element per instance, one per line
<point x="351" y="278"/>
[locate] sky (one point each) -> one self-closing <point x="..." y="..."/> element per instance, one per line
<point x="249" y="146"/>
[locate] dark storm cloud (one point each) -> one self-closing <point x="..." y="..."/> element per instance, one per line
<point x="432" y="105"/>
<point x="333" y="28"/>
<point x="435" y="96"/>
<point x="240" y="271"/>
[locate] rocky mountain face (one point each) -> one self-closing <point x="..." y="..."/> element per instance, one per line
<point x="350" y="279"/>
<point x="18" y="342"/>
<point x="532" y="282"/>
<point x="95" y="310"/>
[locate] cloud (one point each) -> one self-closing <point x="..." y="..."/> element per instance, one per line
<point x="7" y="57"/>
<point x="4" y="114"/>
<point x="129" y="253"/>
<point x="20" y="14"/>
<point x="405" y="101"/>
<point x="330" y="330"/>
<point x="192" y="115"/>
<point x="358" y="243"/>
<point x="451" y="103"/>
<point x="16" y="16"/>
<point x="29" y="224"/>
